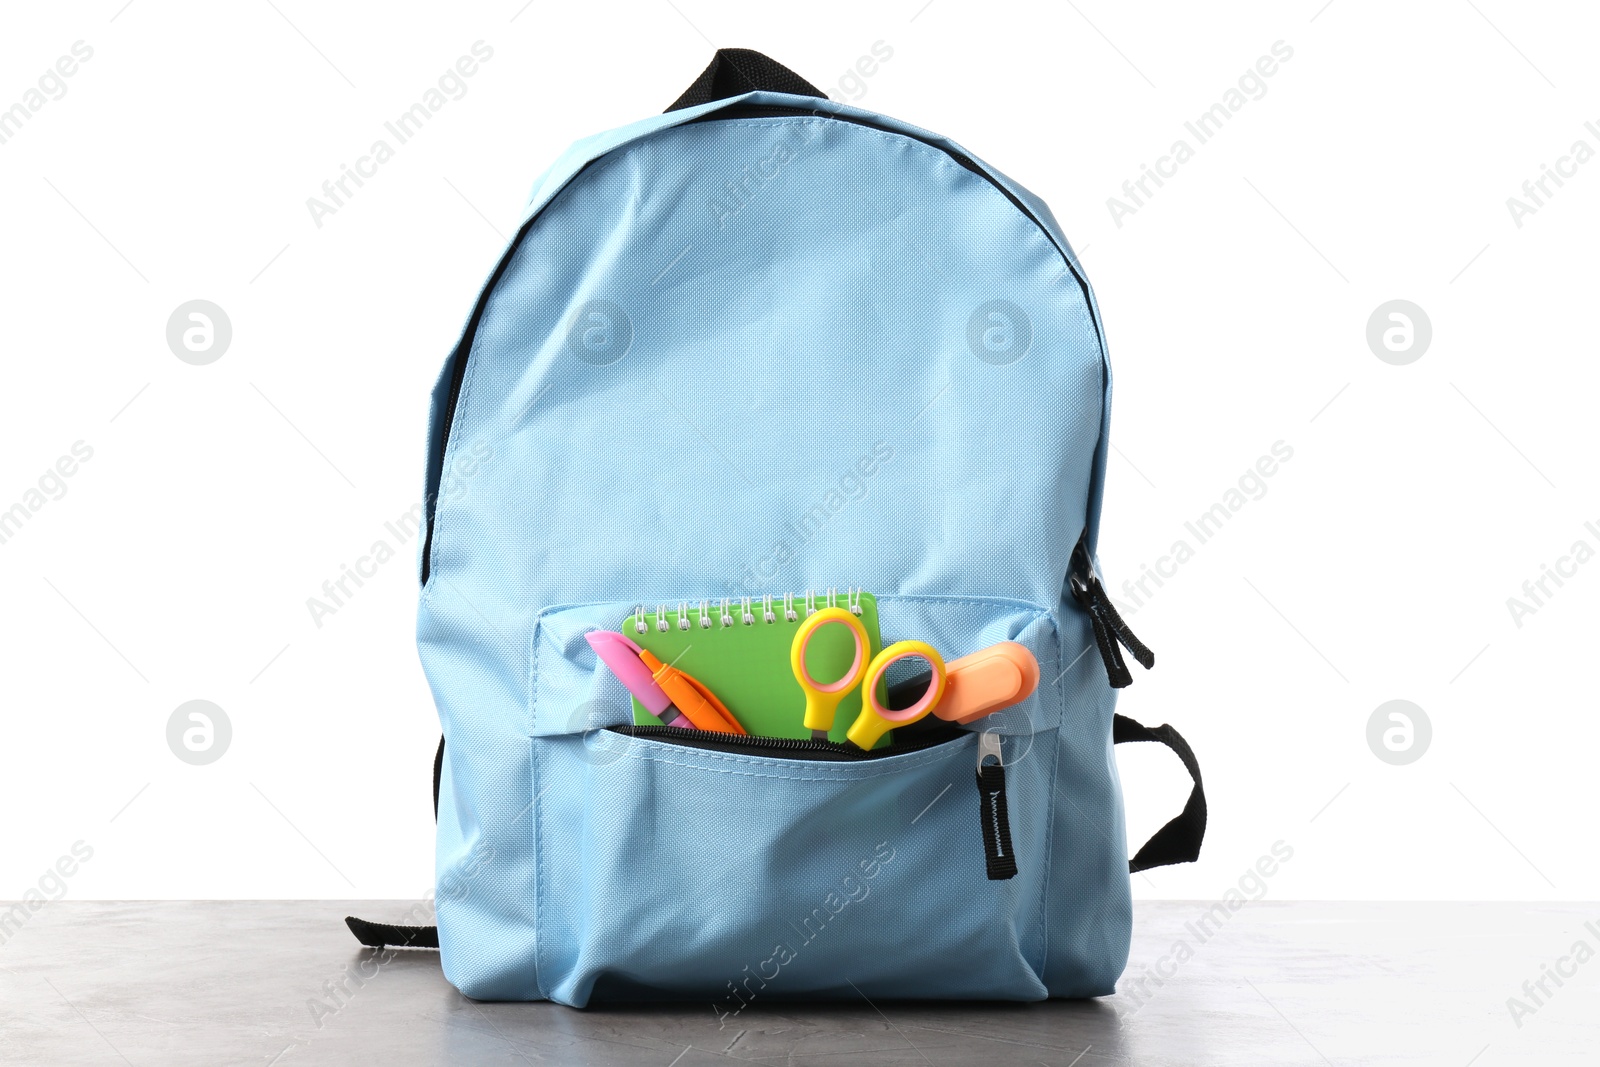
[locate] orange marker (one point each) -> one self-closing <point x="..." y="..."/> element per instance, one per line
<point x="697" y="703"/>
<point x="986" y="681"/>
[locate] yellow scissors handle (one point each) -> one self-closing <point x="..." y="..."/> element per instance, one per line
<point x="822" y="698"/>
<point x="875" y="718"/>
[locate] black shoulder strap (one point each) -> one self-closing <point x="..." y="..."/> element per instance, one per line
<point x="736" y="71"/>
<point x="1179" y="840"/>
<point x="380" y="935"/>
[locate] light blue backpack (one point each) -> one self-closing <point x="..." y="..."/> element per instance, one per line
<point x="761" y="344"/>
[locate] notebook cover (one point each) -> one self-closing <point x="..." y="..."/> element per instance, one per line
<point x="748" y="668"/>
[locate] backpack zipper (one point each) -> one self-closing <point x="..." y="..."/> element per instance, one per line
<point x="999" y="861"/>
<point x="1109" y="628"/>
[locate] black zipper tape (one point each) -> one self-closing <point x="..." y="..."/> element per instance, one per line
<point x="788" y="747"/>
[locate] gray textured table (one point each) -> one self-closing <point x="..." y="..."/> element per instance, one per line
<point x="175" y="983"/>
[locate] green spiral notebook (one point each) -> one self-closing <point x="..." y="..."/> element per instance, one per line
<point x="739" y="648"/>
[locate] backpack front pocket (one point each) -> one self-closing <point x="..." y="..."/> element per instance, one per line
<point x="677" y="864"/>
<point x="683" y="871"/>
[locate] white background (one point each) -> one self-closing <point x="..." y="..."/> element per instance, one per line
<point x="1377" y="565"/>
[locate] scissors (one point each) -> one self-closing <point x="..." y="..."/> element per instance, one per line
<point x="822" y="698"/>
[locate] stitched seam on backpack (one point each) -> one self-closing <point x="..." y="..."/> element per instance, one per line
<point x="1050" y="837"/>
<point x="1050" y="843"/>
<point x="539" y="871"/>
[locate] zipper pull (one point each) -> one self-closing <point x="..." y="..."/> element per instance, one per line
<point x="998" y="861"/>
<point x="1109" y="628"/>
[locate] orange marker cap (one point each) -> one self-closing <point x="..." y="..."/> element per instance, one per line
<point x="988" y="680"/>
<point x="690" y="696"/>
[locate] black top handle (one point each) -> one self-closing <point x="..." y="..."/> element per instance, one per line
<point x="736" y="71"/>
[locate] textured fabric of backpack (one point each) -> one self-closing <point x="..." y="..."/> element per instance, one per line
<point x="758" y="346"/>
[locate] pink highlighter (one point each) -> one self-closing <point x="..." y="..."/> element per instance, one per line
<point x="622" y="656"/>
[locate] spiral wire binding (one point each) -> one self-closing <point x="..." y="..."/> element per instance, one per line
<point x="793" y="607"/>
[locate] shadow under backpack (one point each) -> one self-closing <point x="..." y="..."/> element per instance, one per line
<point x="767" y="342"/>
